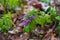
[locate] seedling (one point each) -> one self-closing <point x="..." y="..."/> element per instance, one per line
<point x="5" y="23"/>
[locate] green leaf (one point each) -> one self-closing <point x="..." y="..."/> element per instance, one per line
<point x="26" y="29"/>
<point x="58" y="17"/>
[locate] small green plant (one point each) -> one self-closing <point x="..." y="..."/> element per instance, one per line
<point x="58" y="27"/>
<point x="44" y="18"/>
<point x="5" y="23"/>
<point x="32" y="24"/>
<point x="40" y="19"/>
<point x="37" y="20"/>
<point x="12" y="4"/>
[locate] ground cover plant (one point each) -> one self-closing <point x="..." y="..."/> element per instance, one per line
<point x="29" y="20"/>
